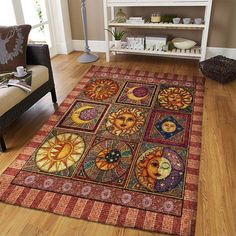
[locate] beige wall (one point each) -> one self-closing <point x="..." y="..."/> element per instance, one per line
<point x="222" y="28"/>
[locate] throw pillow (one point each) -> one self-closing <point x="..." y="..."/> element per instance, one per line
<point x="13" y="45"/>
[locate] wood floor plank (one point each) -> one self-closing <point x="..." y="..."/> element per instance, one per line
<point x="217" y="185"/>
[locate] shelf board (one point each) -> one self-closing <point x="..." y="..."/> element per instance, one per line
<point x="194" y="53"/>
<point x="159" y="26"/>
<point x="152" y="3"/>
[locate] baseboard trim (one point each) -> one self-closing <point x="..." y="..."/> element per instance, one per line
<point x="100" y="46"/>
<point x="64" y="48"/>
<point x="95" y="46"/>
<point x="227" y="52"/>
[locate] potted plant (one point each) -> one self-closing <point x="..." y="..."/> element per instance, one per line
<point x="118" y="35"/>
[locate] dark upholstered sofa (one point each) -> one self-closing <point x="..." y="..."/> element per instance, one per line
<point x="14" y="101"/>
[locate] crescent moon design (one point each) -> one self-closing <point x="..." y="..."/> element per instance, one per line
<point x="84" y="115"/>
<point x="132" y="96"/>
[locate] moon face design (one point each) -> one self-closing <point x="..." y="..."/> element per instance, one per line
<point x="84" y="115"/>
<point x="164" y="168"/>
<point x="159" y="169"/>
<point x="169" y="127"/>
<point x="137" y="93"/>
<point x="60" y="152"/>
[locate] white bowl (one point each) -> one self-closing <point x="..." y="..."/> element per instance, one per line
<point x="187" y="21"/>
<point x="176" y="20"/>
<point x="198" y="21"/>
<point x="182" y="43"/>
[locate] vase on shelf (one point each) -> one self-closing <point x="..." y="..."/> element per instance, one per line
<point x="118" y="44"/>
<point x="120" y="16"/>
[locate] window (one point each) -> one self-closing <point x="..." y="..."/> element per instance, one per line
<point x="35" y="14"/>
<point x="7" y="16"/>
<point x="49" y="20"/>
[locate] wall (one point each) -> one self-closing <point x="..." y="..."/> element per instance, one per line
<point x="94" y="19"/>
<point x="222" y="29"/>
<point x="223" y="24"/>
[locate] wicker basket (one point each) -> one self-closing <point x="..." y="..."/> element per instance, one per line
<point x="219" y="68"/>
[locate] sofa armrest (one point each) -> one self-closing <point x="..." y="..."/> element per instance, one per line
<point x="38" y="54"/>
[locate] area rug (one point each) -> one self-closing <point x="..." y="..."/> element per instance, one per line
<point x="122" y="149"/>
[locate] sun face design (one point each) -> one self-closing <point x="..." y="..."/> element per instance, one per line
<point x="125" y="121"/>
<point x="151" y="167"/>
<point x="174" y="98"/>
<point x="60" y="152"/>
<point x="84" y="115"/>
<point x="101" y="89"/>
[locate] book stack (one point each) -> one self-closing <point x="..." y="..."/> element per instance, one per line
<point x="135" y="20"/>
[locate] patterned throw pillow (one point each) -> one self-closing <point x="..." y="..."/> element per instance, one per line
<point x="13" y="45"/>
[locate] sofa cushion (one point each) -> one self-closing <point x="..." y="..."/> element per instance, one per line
<point x="11" y="96"/>
<point x="13" y="45"/>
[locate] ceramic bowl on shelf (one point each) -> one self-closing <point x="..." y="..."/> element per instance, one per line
<point x="187" y="21"/>
<point x="198" y="21"/>
<point x="184" y="44"/>
<point x="176" y="20"/>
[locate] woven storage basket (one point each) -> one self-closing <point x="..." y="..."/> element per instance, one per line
<point x="219" y="68"/>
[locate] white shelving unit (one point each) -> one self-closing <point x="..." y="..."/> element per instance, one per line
<point x="195" y="53"/>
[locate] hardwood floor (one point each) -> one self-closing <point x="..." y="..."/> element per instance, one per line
<point x="217" y="186"/>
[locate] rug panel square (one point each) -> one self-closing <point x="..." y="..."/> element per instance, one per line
<point x="175" y="98"/>
<point x="124" y="122"/>
<point x="159" y="170"/>
<point x="140" y="94"/>
<point x="101" y="89"/>
<point x="170" y="128"/>
<point x="108" y="161"/>
<point x="83" y="116"/>
<point x="59" y="153"/>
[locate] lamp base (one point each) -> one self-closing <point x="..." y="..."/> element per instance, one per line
<point x="87" y="58"/>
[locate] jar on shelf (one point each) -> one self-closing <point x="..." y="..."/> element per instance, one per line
<point x="120" y="16"/>
<point x="156" y="18"/>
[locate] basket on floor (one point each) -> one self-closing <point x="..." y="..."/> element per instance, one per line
<point x="219" y="68"/>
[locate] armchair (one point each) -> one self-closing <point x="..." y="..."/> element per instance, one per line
<point x="14" y="102"/>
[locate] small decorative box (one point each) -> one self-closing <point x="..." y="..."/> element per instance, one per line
<point x="155" y="43"/>
<point x="135" y="43"/>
